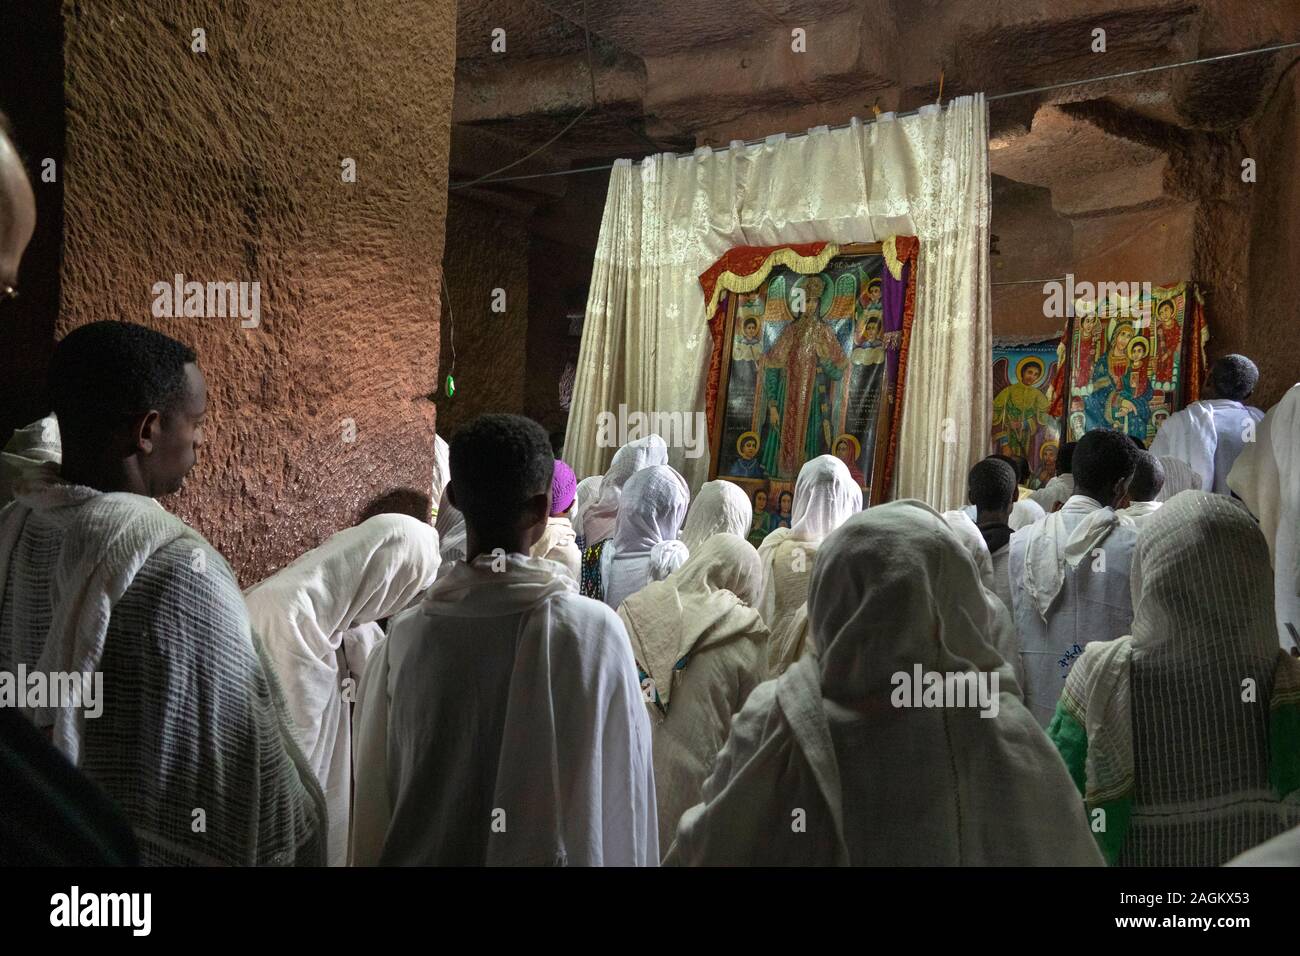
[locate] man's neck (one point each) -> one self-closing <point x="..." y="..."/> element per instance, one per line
<point x="983" y="518"/>
<point x="110" y="478"/>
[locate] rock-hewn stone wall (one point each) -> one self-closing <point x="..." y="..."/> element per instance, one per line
<point x="226" y="166"/>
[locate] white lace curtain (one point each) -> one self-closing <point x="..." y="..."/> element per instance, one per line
<point x="646" y="344"/>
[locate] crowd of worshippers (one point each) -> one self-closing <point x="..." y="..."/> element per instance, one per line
<point x="607" y="672"/>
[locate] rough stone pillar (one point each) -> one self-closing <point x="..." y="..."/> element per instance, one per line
<point x="227" y="166"/>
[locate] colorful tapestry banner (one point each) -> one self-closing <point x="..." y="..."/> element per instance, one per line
<point x="1023" y="426"/>
<point x="1130" y="359"/>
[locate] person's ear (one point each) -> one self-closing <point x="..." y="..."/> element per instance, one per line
<point x="1121" y="493"/>
<point x="146" y="431"/>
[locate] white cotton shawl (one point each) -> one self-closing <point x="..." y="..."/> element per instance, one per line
<point x="719" y="506"/>
<point x="192" y="715"/>
<point x="600" y="516"/>
<point x="1024" y="513"/>
<point x="1163" y="709"/>
<point x="450" y="525"/>
<point x="29" y="447"/>
<point x="702" y="647"/>
<point x="1001" y="628"/>
<point x="573" y="775"/>
<point x="307" y="612"/>
<point x="1139" y="511"/>
<point x="1053" y="548"/>
<point x="825" y="496"/>
<point x="556" y="543"/>
<point x="1266" y="477"/>
<point x="1057" y="491"/>
<point x="652" y="507"/>
<point x="587" y="491"/>
<point x="441" y="472"/>
<point x="1196" y="433"/>
<point x="892" y="589"/>
<point x="1179" y="477"/>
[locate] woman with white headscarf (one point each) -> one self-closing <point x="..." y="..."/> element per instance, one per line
<point x="598" y="520"/>
<point x="317" y="618"/>
<point x="700" y="649"/>
<point x="653" y="505"/>
<point x="843" y="761"/>
<point x="718" y="507"/>
<point x="587" y="491"/>
<point x="825" y="496"/>
<point x="1185" y="736"/>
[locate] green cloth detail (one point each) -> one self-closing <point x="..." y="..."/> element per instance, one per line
<point x="1072" y="741"/>
<point x="1284" y="755"/>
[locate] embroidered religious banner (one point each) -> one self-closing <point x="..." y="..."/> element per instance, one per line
<point x="1023" y="426"/>
<point x="808" y="362"/>
<point x="1135" y="361"/>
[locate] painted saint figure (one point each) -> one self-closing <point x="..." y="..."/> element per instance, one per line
<point x="747" y="465"/>
<point x="764" y="521"/>
<point x="1091" y="345"/>
<point x="1020" y="409"/>
<point x="848" y="450"/>
<point x="1169" y="340"/>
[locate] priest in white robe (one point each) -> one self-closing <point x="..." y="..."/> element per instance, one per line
<point x="1266" y="477"/>
<point x="318" y="618"/>
<point x="825" y="496"/>
<point x="501" y="722"/>
<point x="832" y="765"/>
<point x="1211" y="433"/>
<point x="700" y="649"/>
<point x="1069" y="573"/>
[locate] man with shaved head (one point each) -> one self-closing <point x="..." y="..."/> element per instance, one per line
<point x="1210" y="434"/>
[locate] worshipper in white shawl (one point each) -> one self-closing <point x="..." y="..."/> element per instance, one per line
<point x="98" y="579"/>
<point x="1069" y="573"/>
<point x="1179" y="477"/>
<point x="1184" y="738"/>
<point x="650" y="516"/>
<point x="825" y="496"/>
<point x="29" y="447"/>
<point x="845" y="747"/>
<point x="700" y="649"/>
<point x="450" y="525"/>
<point x="441" y="472"/>
<point x="1266" y="478"/>
<point x="1002" y="630"/>
<point x="501" y="722"/>
<point x="557" y="542"/>
<point x="1060" y="486"/>
<point x="1144" y="489"/>
<point x="319" y="619"/>
<point x="1024" y="510"/>
<point x="1211" y="433"/>
<point x="598" y="520"/>
<point x="991" y="488"/>
<point x="587" y="491"/>
<point x="718" y="507"/>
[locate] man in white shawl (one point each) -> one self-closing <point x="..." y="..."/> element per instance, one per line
<point x="825" y="496"/>
<point x="841" y="762"/>
<point x="599" y="517"/>
<point x="1069" y="572"/>
<point x="650" y="516"/>
<point x="319" y="619"/>
<point x="1184" y="738"/>
<point x="700" y="649"/>
<point x="99" y="581"/>
<point x="1266" y="477"/>
<point x="501" y="722"/>
<point x="1060" y="486"/>
<point x="28" y="448"/>
<point x="1211" y="433"/>
<point x="1144" y="489"/>
<point x="719" y="507"/>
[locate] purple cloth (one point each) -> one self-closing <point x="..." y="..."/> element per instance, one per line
<point x="563" y="487"/>
<point x="893" y="293"/>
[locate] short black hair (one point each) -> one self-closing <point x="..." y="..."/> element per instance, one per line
<point x="1234" y="377"/>
<point x="107" y="372"/>
<point x="1018" y="465"/>
<point x="748" y="320"/>
<point x="1103" y="458"/>
<point x="1138" y="443"/>
<point x="1065" y="458"/>
<point x="1148" y="478"/>
<point x="498" y="462"/>
<point x="991" y="484"/>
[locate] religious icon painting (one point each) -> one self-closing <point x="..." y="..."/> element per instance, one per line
<point x="1023" y="426"/>
<point x="1129" y="361"/>
<point x="809" y="365"/>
